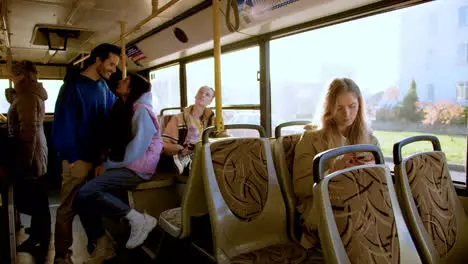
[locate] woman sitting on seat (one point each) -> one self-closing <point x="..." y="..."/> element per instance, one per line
<point x="343" y="123"/>
<point x="184" y="130"/>
<point x="135" y="146"/>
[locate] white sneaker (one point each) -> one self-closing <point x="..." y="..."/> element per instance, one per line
<point x="139" y="230"/>
<point x="105" y="249"/>
<point x="182" y="161"/>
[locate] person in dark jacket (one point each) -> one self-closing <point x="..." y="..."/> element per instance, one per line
<point x="29" y="156"/>
<point x="81" y="111"/>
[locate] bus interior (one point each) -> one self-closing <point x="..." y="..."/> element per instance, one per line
<point x="270" y="63"/>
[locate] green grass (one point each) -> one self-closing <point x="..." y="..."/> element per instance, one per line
<point x="453" y="146"/>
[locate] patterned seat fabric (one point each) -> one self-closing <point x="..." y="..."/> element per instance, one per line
<point x="289" y="143"/>
<point x="364" y="216"/>
<point x="241" y="172"/>
<point x="430" y="186"/>
<point x="286" y="253"/>
<point x="289" y="146"/>
<point x="171" y="221"/>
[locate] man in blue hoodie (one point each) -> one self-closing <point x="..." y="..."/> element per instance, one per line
<point x="81" y="111"/>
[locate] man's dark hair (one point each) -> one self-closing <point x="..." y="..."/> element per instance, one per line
<point x="102" y="52"/>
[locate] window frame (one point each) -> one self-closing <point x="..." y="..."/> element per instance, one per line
<point x="264" y="39"/>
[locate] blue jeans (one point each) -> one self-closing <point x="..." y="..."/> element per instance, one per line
<point x="95" y="200"/>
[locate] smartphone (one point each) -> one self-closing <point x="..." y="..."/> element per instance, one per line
<point x="364" y="156"/>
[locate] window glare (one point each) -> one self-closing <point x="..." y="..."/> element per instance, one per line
<point x="53" y="88"/>
<point x="165" y="87"/>
<point x="4" y="105"/>
<point x="412" y="83"/>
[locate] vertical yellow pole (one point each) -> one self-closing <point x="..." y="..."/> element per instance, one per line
<point x="123" y="54"/>
<point x="217" y="67"/>
<point x="9" y="62"/>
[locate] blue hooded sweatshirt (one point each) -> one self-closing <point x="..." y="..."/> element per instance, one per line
<point x="143" y="130"/>
<point x="80" y="116"/>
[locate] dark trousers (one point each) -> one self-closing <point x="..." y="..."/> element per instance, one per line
<point x="95" y="199"/>
<point x="31" y="198"/>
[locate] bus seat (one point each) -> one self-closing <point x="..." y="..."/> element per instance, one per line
<point x="246" y="207"/>
<point x="432" y="210"/>
<point x="360" y="219"/>
<point x="180" y="180"/>
<point x="306" y="124"/>
<point x="177" y="221"/>
<point x="163" y="120"/>
<point x="283" y="154"/>
<point x="154" y="196"/>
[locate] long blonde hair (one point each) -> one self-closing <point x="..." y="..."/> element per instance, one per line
<point x="358" y="133"/>
<point x="27" y="68"/>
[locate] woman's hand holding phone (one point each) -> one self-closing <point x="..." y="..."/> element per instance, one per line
<point x="352" y="159"/>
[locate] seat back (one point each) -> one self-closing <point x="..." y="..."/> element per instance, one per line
<point x="161" y="113"/>
<point x="244" y="198"/>
<point x="432" y="210"/>
<point x="163" y="120"/>
<point x="288" y="124"/>
<point x="360" y="219"/>
<point x="193" y="198"/>
<point x="283" y="153"/>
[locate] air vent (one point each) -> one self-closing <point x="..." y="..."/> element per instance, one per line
<point x="59" y="37"/>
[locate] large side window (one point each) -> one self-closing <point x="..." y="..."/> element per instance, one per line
<point x="165" y="87"/>
<point x="412" y="83"/>
<point x="53" y="88"/>
<point x="239" y="84"/>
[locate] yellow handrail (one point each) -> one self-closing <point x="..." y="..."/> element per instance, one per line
<point x="9" y="62"/>
<point x="123" y="54"/>
<point x="138" y="26"/>
<point x="217" y="67"/>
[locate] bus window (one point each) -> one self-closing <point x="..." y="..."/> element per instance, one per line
<point x="4" y="105"/>
<point x="53" y="88"/>
<point x="239" y="85"/>
<point x="411" y="82"/>
<point x="238" y="77"/>
<point x="165" y="87"/>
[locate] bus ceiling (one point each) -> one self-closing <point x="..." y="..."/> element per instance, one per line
<point x="155" y="36"/>
<point x="101" y="18"/>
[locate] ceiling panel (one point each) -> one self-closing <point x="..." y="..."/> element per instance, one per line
<point x="101" y="16"/>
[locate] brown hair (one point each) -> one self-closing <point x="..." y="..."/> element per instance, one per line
<point x="27" y="68"/>
<point x="358" y="133"/>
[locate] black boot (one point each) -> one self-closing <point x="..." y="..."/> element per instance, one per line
<point x="28" y="246"/>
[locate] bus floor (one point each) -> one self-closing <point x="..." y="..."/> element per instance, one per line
<point x="172" y="251"/>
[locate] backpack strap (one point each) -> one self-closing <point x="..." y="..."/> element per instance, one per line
<point x="183" y="131"/>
